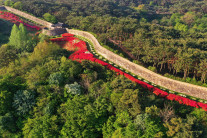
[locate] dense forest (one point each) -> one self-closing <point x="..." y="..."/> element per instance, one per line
<point x="167" y="37"/>
<point x="44" y="94"/>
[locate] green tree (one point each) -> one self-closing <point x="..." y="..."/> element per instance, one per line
<point x="23" y="37"/>
<point x="41" y="126"/>
<point x="56" y="78"/>
<point x="82" y="117"/>
<point x="120" y="126"/>
<point x="24" y="101"/>
<point x="70" y="69"/>
<point x="50" y="18"/>
<point x="19" y="38"/>
<point x="130" y="102"/>
<point x="178" y="127"/>
<point x="14" y="37"/>
<point x="42" y="51"/>
<point x="8" y="86"/>
<point x="7" y="123"/>
<point x="147" y="127"/>
<point x="74" y="89"/>
<point x="203" y="70"/>
<point x="18" y="5"/>
<point x="7" y="55"/>
<point x="8" y="2"/>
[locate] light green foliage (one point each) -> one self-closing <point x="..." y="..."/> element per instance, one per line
<point x="14" y="37"/>
<point x="19" y="38"/>
<point x="181" y="27"/>
<point x="74" y="89"/>
<point x="18" y="5"/>
<point x="56" y="78"/>
<point x="148" y="127"/>
<point x="175" y="18"/>
<point x="7" y="55"/>
<point x="119" y="126"/>
<point x="118" y="85"/>
<point x="189" y="18"/>
<point x="69" y="69"/>
<point x="152" y="68"/>
<point x="153" y="111"/>
<point x="42" y="126"/>
<point x="178" y="127"/>
<point x="82" y="118"/>
<point x="108" y="127"/>
<point x="24" y="101"/>
<point x="8" y="2"/>
<point x="106" y="105"/>
<point x="139" y="121"/>
<point x="50" y="18"/>
<point x="42" y="37"/>
<point x="95" y="88"/>
<point x="130" y="102"/>
<point x="124" y="126"/>
<point x="23" y="36"/>
<point x="43" y="50"/>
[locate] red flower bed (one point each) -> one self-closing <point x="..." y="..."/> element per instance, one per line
<point x="67" y="35"/>
<point x="83" y="54"/>
<point x="14" y="19"/>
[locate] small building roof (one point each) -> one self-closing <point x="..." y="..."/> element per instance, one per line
<point x="59" y="24"/>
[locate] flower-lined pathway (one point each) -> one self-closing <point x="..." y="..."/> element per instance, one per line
<point x="82" y="53"/>
<point x="16" y="20"/>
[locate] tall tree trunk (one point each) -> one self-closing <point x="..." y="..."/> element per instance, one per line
<point x="185" y="74"/>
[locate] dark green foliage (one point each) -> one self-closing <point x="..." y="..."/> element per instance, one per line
<point x="8" y="86"/>
<point x="24" y="101"/>
<point x="7" y="123"/>
<point x="48" y="95"/>
<point x="151" y="30"/>
<point x="5" y="31"/>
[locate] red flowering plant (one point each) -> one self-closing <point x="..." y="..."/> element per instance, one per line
<point x="14" y="19"/>
<point x="83" y="54"/>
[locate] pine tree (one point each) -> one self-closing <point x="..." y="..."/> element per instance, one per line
<point x="19" y="37"/>
<point x="14" y="35"/>
<point x="23" y="37"/>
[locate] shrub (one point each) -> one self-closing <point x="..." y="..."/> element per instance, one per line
<point x="24" y="101"/>
<point x="56" y="78"/>
<point x="74" y="88"/>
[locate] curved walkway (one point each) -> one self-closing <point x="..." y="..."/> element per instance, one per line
<point x="174" y="85"/>
<point x="81" y="52"/>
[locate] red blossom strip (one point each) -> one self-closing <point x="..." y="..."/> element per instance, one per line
<point x="83" y="54"/>
<point x="14" y="19"/>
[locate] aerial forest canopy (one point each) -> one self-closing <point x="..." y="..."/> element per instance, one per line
<point x="45" y="94"/>
<point x="168" y="37"/>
